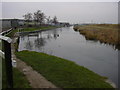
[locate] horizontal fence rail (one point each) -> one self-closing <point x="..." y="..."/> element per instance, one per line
<point x="7" y="39"/>
<point x="6" y="32"/>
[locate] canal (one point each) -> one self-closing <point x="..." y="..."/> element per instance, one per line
<point x="69" y="44"/>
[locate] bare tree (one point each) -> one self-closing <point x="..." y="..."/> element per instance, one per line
<point x="55" y="21"/>
<point x="28" y="17"/>
<point x="48" y="20"/>
<point x="39" y="17"/>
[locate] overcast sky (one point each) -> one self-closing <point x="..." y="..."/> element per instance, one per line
<point x="60" y="0"/>
<point x="73" y="12"/>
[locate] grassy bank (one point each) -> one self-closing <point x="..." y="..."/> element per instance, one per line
<point x="29" y="29"/>
<point x="19" y="79"/>
<point x="37" y="28"/>
<point x="107" y="33"/>
<point x="61" y="72"/>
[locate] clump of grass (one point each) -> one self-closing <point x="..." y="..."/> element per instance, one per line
<point x="61" y="72"/>
<point x="107" y="33"/>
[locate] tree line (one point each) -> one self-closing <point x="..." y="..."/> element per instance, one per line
<point x="39" y="18"/>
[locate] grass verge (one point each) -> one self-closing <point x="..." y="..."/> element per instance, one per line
<point x="61" y="72"/>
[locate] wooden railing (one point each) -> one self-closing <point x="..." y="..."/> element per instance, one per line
<point x="7" y="56"/>
<point x="6" y="32"/>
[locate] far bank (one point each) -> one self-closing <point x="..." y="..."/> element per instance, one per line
<point x="105" y="33"/>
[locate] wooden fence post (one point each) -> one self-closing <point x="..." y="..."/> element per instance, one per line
<point x="8" y="64"/>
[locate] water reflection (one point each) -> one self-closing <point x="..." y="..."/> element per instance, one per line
<point x="39" y="40"/>
<point x="29" y="45"/>
<point x="76" y="30"/>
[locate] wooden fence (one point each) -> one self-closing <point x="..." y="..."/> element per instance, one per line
<point x="7" y="56"/>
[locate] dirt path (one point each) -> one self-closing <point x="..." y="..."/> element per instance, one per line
<point x="36" y="79"/>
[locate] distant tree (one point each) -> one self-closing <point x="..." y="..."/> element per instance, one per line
<point x="39" y="17"/>
<point x="48" y="20"/>
<point x="55" y="21"/>
<point x="35" y="17"/>
<point x="28" y="17"/>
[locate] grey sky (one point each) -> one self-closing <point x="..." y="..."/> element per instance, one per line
<point x="73" y="12"/>
<point x="60" y="0"/>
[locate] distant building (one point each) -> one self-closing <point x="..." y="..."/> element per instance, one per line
<point x="5" y="23"/>
<point x="21" y="22"/>
<point x="64" y="24"/>
<point x="11" y="23"/>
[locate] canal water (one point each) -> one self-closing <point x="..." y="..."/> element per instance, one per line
<point x="69" y="44"/>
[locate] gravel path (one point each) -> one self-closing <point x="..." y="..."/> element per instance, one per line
<point x="36" y="79"/>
